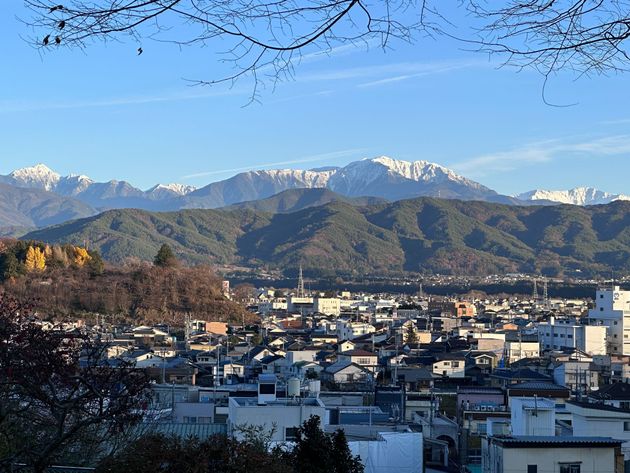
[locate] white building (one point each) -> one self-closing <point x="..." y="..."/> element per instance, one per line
<point x="533" y="416"/>
<point x="328" y="306"/>
<point x="550" y="454"/>
<point x="347" y="330"/>
<point x="612" y="309"/>
<point x="281" y="417"/>
<point x="602" y="421"/>
<point x="517" y="350"/>
<point x="558" y="334"/>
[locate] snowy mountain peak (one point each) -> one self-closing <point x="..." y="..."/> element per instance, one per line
<point x="39" y="176"/>
<point x="173" y="188"/>
<point x="576" y="196"/>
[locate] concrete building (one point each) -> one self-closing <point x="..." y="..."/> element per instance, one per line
<point x="327" y="305"/>
<point x="281" y="417"/>
<point x="612" y="310"/>
<point x="561" y="334"/>
<point x="601" y="420"/>
<point x="518" y="350"/>
<point x="537" y="454"/>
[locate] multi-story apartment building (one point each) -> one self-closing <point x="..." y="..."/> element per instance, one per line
<point x="612" y="310"/>
<point x="559" y="334"/>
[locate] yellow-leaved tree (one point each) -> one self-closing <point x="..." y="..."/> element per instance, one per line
<point x="81" y="256"/>
<point x="35" y="259"/>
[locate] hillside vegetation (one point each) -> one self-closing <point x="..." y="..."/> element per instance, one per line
<point x="65" y="281"/>
<point x="417" y="235"/>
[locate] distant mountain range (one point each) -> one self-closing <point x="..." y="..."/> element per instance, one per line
<point x="577" y="196"/>
<point x="385" y="178"/>
<point x="332" y="233"/>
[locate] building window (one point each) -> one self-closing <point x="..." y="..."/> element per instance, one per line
<point x="570" y="336"/>
<point x="615" y="322"/>
<point x="626" y="426"/>
<point x="569" y="468"/>
<point x="532" y="468"/>
<point x="290" y="434"/>
<point x="456" y="364"/>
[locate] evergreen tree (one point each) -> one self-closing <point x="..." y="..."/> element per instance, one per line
<point x="95" y="263"/>
<point x="9" y="266"/>
<point x="165" y="257"/>
<point x="410" y="334"/>
<point x="342" y="459"/>
<point x="318" y="452"/>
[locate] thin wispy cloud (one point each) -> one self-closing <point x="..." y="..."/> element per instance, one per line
<point x="13" y="106"/>
<point x="308" y="159"/>
<point x="543" y="152"/>
<point x="383" y="71"/>
<point x="430" y="71"/>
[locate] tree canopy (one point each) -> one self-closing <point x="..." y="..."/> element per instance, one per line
<point x="165" y="257"/>
<point x="58" y="401"/>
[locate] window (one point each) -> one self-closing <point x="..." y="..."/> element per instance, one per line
<point x="290" y="433"/>
<point x="601" y="309"/>
<point x="532" y="468"/>
<point x="456" y="364"/>
<point x="615" y="322"/>
<point x="626" y="426"/>
<point x="267" y="388"/>
<point x="569" y="468"/>
<point x="601" y="296"/>
<point x="570" y="335"/>
<point x="190" y="420"/>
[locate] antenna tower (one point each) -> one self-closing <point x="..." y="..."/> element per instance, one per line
<point x="300" y="288"/>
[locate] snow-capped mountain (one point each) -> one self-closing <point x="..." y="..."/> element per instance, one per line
<point x="395" y="179"/>
<point x="166" y="191"/>
<point x="39" y="176"/>
<point x="101" y="195"/>
<point x="576" y="196"/>
<point x="378" y="177"/>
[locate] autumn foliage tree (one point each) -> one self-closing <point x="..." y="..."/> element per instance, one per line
<point x="59" y="400"/>
<point x="35" y="259"/>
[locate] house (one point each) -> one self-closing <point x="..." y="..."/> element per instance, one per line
<point x="614" y="395"/>
<point x="415" y="378"/>
<point x="578" y="376"/>
<point x="272" y="364"/>
<point x="531" y="445"/>
<point x="450" y="366"/>
<point x="601" y="420"/>
<point x="360" y="357"/>
<point x="519" y="345"/>
<point x="542" y="454"/>
<point x="344" y="372"/>
<point x="347" y="330"/>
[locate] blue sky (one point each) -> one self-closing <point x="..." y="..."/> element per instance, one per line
<point x="111" y="114"/>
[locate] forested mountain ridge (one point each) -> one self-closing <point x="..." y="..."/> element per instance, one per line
<point x="417" y="235"/>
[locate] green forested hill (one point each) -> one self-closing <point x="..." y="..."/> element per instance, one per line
<point x="424" y="234"/>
